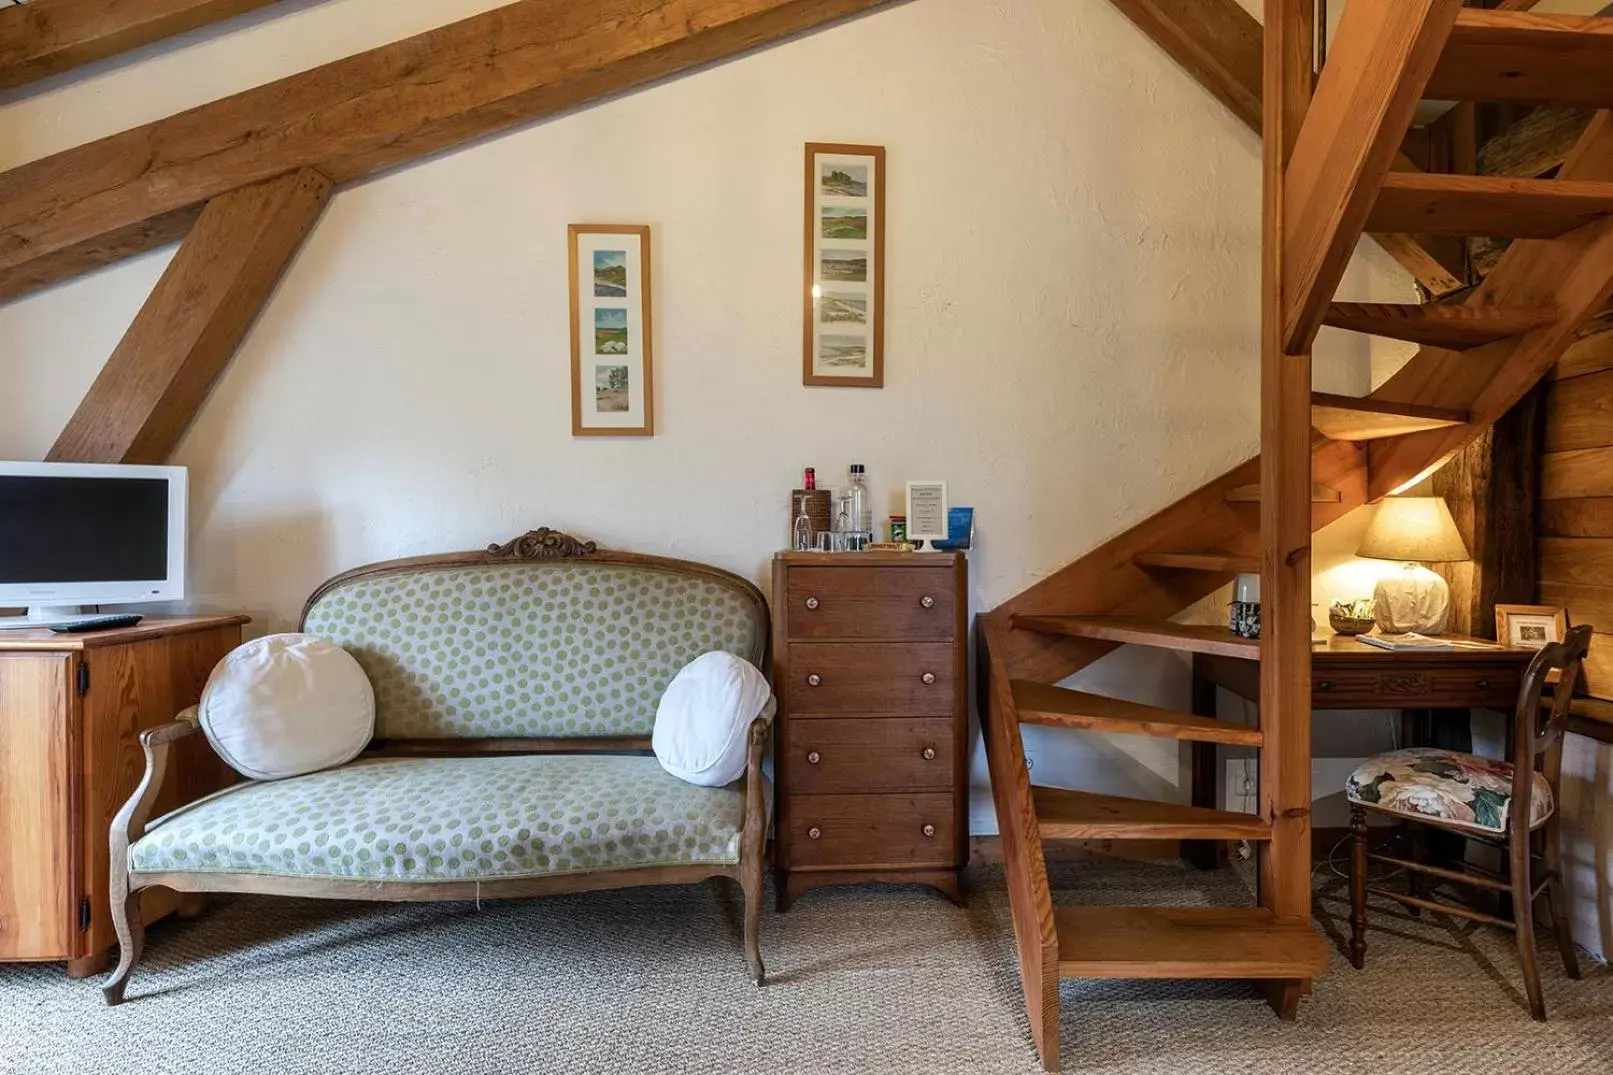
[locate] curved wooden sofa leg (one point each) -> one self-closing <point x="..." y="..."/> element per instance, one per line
<point x="127" y="827"/>
<point x="131" y="928"/>
<point x="752" y="841"/>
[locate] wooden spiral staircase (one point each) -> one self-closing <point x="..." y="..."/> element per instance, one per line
<point x="1331" y="174"/>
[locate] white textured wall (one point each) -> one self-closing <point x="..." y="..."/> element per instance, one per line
<point x="1072" y="313"/>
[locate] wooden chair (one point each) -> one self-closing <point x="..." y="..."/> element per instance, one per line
<point x="1500" y="804"/>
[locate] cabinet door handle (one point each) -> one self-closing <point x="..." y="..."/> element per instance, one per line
<point x="1324" y="685"/>
<point x="812" y="602"/>
<point x="928" y="678"/>
<point x="814" y="832"/>
<point x="813" y="757"/>
<point x="1484" y="684"/>
<point x="928" y="830"/>
<point x="927" y="601"/>
<point x="814" y="680"/>
<point x="928" y="753"/>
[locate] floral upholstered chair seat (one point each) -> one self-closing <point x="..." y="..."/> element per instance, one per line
<point x="452" y="819"/>
<point x="1461" y="790"/>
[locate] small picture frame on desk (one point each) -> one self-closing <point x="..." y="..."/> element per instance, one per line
<point x="1530" y="626"/>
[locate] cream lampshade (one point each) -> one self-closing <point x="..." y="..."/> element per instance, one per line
<point x="1416" y="530"/>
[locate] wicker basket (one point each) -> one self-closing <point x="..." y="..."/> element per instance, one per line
<point x="1346" y="625"/>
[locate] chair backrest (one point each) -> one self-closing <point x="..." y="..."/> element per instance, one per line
<point x="1537" y="734"/>
<point x="544" y="637"/>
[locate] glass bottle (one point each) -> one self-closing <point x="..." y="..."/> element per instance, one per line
<point x="860" y="508"/>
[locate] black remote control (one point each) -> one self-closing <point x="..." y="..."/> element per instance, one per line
<point x="97" y="623"/>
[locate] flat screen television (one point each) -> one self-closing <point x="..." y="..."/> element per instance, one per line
<point x="76" y="534"/>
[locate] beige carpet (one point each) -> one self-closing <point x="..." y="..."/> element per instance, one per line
<point x="861" y="980"/>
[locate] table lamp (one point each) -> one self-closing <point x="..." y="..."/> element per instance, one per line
<point x="1415" y="530"/>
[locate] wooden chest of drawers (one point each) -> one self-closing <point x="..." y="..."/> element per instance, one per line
<point x="872" y="762"/>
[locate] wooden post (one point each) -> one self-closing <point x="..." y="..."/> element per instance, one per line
<point x="1285" y="509"/>
<point x="184" y="335"/>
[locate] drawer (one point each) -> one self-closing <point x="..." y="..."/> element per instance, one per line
<point x="1416" y="687"/>
<point x="833" y="831"/>
<point x="895" y="603"/>
<point x="898" y="680"/>
<point x="837" y="754"/>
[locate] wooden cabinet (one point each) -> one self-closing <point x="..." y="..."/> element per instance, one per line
<point x="870" y="671"/>
<point x="72" y="708"/>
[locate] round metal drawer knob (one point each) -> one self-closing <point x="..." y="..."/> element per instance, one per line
<point x="813" y="757"/>
<point x="814" y="832"/>
<point x="812" y="602"/>
<point x="814" y="679"/>
<point x="928" y="678"/>
<point x="1484" y="684"/>
<point x="927" y="601"/>
<point x="928" y="753"/>
<point x="928" y="830"/>
<point x="1324" y="685"/>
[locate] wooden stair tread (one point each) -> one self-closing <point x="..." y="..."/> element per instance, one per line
<point x="1454" y="327"/>
<point x="1082" y="815"/>
<point x="1194" y="638"/>
<point x="1526" y="57"/>
<point x="1185" y="942"/>
<point x="1503" y="206"/>
<point x="1355" y="418"/>
<point x="1060" y="707"/>
<point x="1250" y="494"/>
<point x="1224" y="562"/>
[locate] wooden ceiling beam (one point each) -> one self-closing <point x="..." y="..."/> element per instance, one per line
<point x="379" y="109"/>
<point x="188" y="329"/>
<point x="1219" y="44"/>
<point x="1573" y="273"/>
<point x="46" y="37"/>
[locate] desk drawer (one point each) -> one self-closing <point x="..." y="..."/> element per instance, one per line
<point x="836" y="831"/>
<point x="896" y="603"/>
<point x="834" y="754"/>
<point x="886" y="678"/>
<point x="1373" y="688"/>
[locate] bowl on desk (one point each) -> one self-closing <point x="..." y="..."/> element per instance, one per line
<point x="1350" y="625"/>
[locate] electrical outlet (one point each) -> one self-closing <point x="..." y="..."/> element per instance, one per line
<point x="1243" y="787"/>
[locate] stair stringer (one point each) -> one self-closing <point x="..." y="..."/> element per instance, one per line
<point x="1106" y="582"/>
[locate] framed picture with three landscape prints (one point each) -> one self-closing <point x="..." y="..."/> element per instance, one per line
<point x="844" y="334"/>
<point x="612" y="376"/>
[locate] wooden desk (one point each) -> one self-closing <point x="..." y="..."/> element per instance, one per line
<point x="1348" y="674"/>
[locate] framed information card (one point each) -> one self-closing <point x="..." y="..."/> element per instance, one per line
<point x="612" y="382"/>
<point x="844" y="304"/>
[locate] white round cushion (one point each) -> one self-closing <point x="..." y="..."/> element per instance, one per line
<point x="284" y="705"/>
<point x="702" y="721"/>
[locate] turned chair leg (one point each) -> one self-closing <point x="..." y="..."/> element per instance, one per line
<point x="1523" y="915"/>
<point x="1557" y="903"/>
<point x="131" y="929"/>
<point x="1358" y="886"/>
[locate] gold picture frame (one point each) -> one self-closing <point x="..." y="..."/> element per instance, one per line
<point x="1530" y="626"/>
<point x="612" y="352"/>
<point x="843" y="303"/>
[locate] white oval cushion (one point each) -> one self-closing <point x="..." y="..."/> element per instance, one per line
<point x="704" y="715"/>
<point x="285" y="705"/>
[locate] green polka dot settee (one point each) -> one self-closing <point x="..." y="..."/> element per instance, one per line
<point x="515" y="693"/>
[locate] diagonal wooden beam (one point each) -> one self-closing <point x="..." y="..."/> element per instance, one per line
<point x="1219" y="44"/>
<point x="45" y="37"/>
<point x="385" y="107"/>
<point x="188" y="329"/>
<point x="1574" y="273"/>
<point x="1381" y="58"/>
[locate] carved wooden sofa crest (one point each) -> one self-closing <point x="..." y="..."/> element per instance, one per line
<point x="515" y="693"/>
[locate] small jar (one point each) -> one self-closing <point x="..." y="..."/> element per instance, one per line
<point x="898" y="529"/>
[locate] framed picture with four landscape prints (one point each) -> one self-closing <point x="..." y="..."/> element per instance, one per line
<point x="844" y="303"/>
<point x="612" y="382"/>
